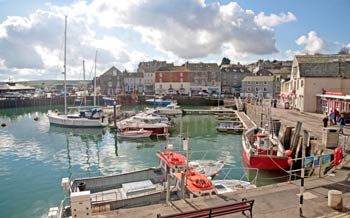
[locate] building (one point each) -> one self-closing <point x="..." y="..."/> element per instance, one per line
<point x="260" y="87"/>
<point x="278" y="68"/>
<point x="172" y="80"/>
<point x="204" y="77"/>
<point x="232" y="76"/>
<point x="133" y="82"/>
<point x="110" y="83"/>
<point x="311" y="75"/>
<point x="12" y="87"/>
<point x="148" y="69"/>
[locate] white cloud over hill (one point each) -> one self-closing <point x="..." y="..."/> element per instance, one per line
<point x="177" y="29"/>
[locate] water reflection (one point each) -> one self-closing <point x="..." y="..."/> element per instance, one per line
<point x="82" y="146"/>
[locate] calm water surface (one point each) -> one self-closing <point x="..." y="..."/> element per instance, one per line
<point x="34" y="156"/>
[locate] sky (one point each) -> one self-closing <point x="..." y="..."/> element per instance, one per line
<point x="124" y="33"/>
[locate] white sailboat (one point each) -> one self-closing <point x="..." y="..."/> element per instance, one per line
<point x="88" y="118"/>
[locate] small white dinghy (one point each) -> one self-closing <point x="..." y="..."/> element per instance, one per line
<point x="231" y="185"/>
<point x="134" y="134"/>
<point x="206" y="167"/>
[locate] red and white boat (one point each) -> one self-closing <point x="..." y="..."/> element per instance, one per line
<point x="263" y="150"/>
<point x="134" y="134"/>
<point x="196" y="184"/>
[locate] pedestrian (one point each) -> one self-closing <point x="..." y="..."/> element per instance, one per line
<point x="341" y="123"/>
<point x="325" y="121"/>
<point x="331" y="117"/>
<point x="275" y="103"/>
<point x="336" y="115"/>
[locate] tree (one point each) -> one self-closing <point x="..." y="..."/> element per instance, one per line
<point x="344" y="50"/>
<point x="225" y="61"/>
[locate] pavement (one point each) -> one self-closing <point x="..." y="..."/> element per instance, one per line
<point x="272" y="201"/>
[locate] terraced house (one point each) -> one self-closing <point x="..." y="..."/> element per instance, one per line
<point x="312" y="75"/>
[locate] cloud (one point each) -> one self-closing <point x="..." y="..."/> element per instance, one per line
<point x="273" y="20"/>
<point x="192" y="29"/>
<point x="313" y="43"/>
<point x="174" y="29"/>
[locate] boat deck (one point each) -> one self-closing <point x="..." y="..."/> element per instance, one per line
<point x="119" y="194"/>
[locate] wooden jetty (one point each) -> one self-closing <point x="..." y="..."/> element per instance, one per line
<point x="208" y="111"/>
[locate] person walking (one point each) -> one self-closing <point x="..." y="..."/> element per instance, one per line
<point x="325" y="121"/>
<point x="331" y="117"/>
<point x="341" y="124"/>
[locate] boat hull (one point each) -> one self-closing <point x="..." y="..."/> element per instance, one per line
<point x="135" y="134"/>
<point x="63" y="120"/>
<point x="157" y="102"/>
<point x="265" y="162"/>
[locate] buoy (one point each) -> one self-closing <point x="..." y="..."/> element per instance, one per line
<point x="3" y="124"/>
<point x="290" y="161"/>
<point x="36" y="118"/>
<point x="217" y="175"/>
<point x="289" y="152"/>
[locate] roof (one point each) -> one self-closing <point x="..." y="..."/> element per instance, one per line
<point x="202" y="66"/>
<point x="173" y="68"/>
<point x="324" y="65"/>
<point x="321" y="58"/>
<point x="264" y="72"/>
<point x="258" y="78"/>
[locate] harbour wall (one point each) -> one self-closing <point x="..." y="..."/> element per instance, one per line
<point x="125" y="100"/>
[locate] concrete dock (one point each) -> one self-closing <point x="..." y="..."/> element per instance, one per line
<point x="277" y="200"/>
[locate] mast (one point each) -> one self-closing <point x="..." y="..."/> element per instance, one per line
<point x="84" y="82"/>
<point x="95" y="81"/>
<point x="65" y="65"/>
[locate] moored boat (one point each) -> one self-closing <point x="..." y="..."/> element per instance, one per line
<point x="195" y="184"/>
<point x="159" y="102"/>
<point x="230" y="126"/>
<point x="85" y="118"/>
<point x="171" y="110"/>
<point x="263" y="150"/>
<point x="206" y="167"/>
<point x="231" y="185"/>
<point x="111" y="192"/>
<point x="134" y="134"/>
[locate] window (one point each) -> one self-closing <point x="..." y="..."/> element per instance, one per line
<point x="248" y="89"/>
<point x="256" y="89"/>
<point x="301" y="83"/>
<point x="256" y="82"/>
<point x="248" y="82"/>
<point x="110" y="84"/>
<point x="114" y="72"/>
<point x="265" y="83"/>
<point x="265" y="89"/>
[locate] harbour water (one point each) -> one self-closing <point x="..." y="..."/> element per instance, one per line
<point x="34" y="156"/>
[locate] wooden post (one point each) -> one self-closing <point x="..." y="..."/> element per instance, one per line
<point x="115" y="114"/>
<point x="304" y="145"/>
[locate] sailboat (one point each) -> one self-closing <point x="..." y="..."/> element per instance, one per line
<point x="87" y="118"/>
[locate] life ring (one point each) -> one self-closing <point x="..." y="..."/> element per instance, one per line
<point x="200" y="183"/>
<point x="338" y="155"/>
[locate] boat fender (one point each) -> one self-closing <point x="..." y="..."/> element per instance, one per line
<point x="290" y="161"/>
<point x="261" y="135"/>
<point x="338" y="155"/>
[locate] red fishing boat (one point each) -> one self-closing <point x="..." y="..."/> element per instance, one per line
<point x="263" y="150"/>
